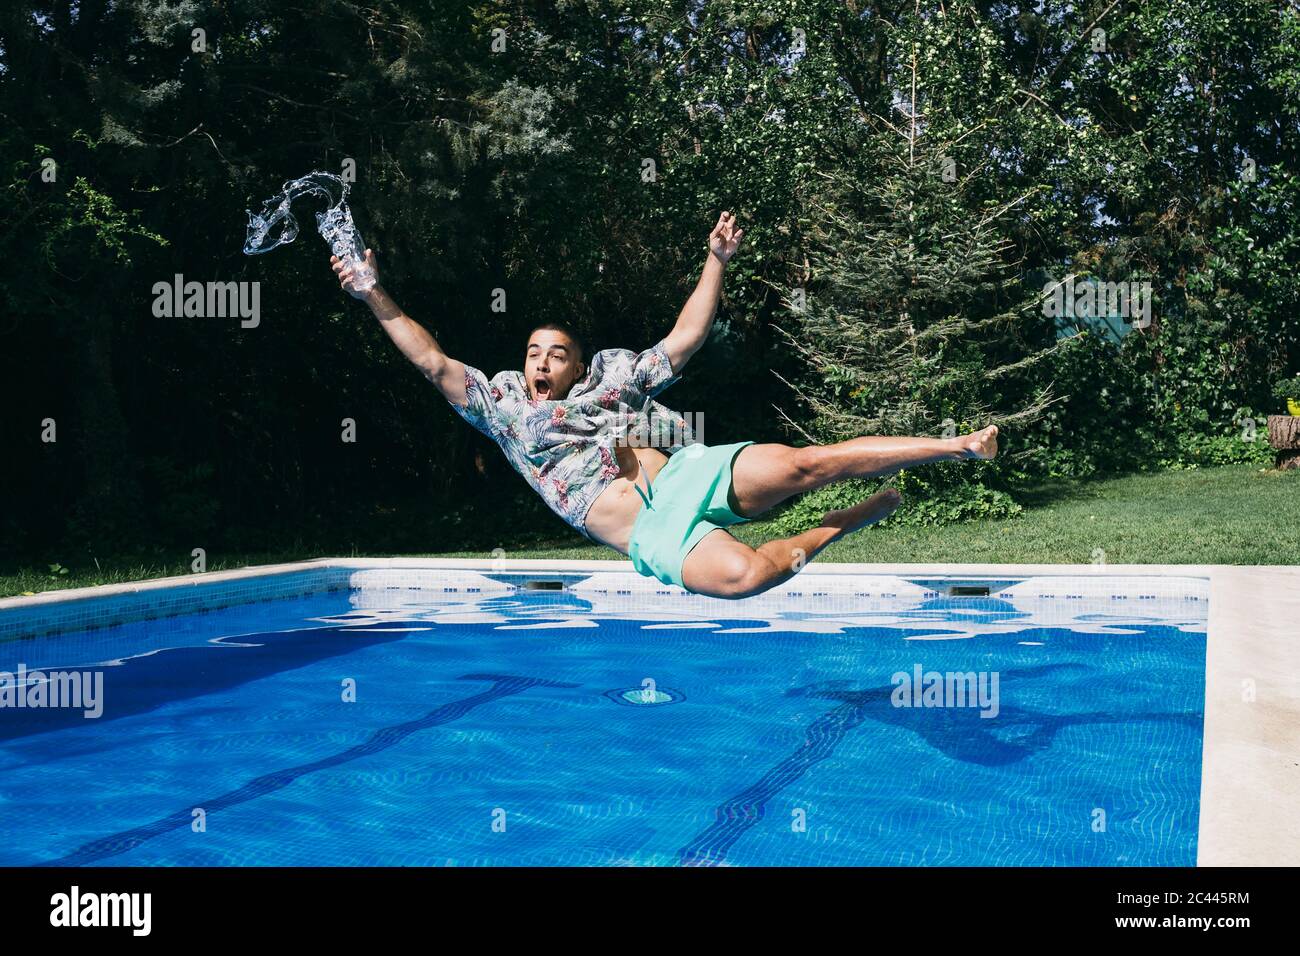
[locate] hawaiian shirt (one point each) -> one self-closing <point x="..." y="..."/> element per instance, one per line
<point x="565" y="448"/>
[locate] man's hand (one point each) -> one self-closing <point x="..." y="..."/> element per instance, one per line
<point x="725" y="238"/>
<point x="344" y="272"/>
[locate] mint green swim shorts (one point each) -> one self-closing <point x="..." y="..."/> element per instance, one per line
<point x="688" y="499"/>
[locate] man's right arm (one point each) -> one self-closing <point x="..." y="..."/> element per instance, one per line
<point x="413" y="339"/>
<point x="418" y="345"/>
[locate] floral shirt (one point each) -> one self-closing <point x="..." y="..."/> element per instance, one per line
<point x="565" y="449"/>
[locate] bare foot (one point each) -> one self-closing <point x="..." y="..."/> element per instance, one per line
<point x="876" y="508"/>
<point x="981" y="444"/>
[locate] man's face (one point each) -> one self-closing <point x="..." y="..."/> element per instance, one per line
<point x="552" y="365"/>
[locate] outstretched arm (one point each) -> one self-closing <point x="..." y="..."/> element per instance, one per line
<point x="408" y="335"/>
<point x="696" y="318"/>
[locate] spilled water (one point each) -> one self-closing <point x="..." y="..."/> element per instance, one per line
<point x="275" y="226"/>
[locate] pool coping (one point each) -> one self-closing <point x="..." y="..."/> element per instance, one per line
<point x="1250" y="762"/>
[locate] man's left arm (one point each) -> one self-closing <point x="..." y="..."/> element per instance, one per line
<point x="696" y="318"/>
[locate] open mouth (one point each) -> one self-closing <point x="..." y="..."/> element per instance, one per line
<point x="541" y="388"/>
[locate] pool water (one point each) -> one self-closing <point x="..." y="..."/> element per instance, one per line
<point x="538" y="728"/>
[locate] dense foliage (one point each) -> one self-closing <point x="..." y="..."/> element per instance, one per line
<point x="917" y="170"/>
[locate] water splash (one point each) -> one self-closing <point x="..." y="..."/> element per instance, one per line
<point x="275" y="226"/>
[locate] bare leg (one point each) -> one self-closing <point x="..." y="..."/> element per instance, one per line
<point x="765" y="475"/>
<point x="721" y="566"/>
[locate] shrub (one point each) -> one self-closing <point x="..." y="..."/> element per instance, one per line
<point x="928" y="501"/>
<point x="1288" y="388"/>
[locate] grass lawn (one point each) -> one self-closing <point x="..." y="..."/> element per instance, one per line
<point x="1231" y="515"/>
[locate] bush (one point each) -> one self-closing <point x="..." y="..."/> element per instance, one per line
<point x="1287" y="389"/>
<point x="1199" y="451"/>
<point x="927" y="502"/>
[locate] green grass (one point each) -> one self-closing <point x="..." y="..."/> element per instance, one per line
<point x="1231" y="515"/>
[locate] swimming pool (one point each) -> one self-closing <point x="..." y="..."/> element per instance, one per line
<point x="478" y="718"/>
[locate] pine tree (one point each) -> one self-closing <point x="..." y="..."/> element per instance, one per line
<point x="911" y="317"/>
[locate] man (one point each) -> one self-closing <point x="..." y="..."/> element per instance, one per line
<point x="557" y="424"/>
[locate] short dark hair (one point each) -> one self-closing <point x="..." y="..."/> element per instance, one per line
<point x="569" y="331"/>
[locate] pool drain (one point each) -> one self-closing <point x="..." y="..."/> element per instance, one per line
<point x="649" y="696"/>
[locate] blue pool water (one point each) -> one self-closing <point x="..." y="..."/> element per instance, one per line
<point x="515" y="730"/>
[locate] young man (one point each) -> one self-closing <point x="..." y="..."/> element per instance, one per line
<point x="561" y="425"/>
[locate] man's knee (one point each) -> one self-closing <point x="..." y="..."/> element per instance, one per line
<point x="740" y="575"/>
<point x="809" y="465"/>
